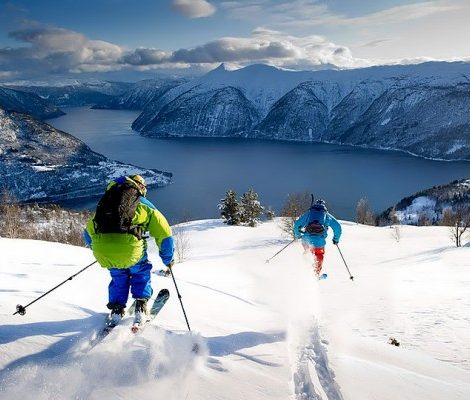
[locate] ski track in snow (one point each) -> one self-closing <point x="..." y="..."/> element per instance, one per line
<point x="314" y="379"/>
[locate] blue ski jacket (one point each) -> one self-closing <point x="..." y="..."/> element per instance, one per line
<point x="317" y="240"/>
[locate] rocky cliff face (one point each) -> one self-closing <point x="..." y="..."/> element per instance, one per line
<point x="219" y="112"/>
<point x="41" y="163"/>
<point x="422" y="109"/>
<point x="424" y="119"/>
<point x="15" y="100"/>
<point x="299" y="115"/>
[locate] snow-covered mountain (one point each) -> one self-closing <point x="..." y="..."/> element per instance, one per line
<point x="41" y="163"/>
<point x="139" y="94"/>
<point x="423" y="109"/>
<point x="72" y="93"/>
<point x="29" y="103"/>
<point x="268" y="331"/>
<point x="431" y="203"/>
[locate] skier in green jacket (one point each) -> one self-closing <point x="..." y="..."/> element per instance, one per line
<point x="115" y="234"/>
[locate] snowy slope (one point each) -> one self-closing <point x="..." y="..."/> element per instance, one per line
<point x="269" y="330"/>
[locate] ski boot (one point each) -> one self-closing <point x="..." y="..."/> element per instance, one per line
<point x="141" y="314"/>
<point x="117" y="313"/>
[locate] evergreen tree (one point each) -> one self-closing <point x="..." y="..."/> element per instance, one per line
<point x="251" y="209"/>
<point x="230" y="209"/>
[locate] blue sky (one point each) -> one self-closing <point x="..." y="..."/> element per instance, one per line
<point x="52" y="37"/>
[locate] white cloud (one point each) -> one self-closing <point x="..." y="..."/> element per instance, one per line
<point x="49" y="50"/>
<point x="308" y="13"/>
<point x="396" y="14"/>
<point x="7" y="74"/>
<point x="53" y="49"/>
<point x="193" y="8"/>
<point x="262" y="46"/>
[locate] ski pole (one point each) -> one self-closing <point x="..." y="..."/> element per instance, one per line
<point x="285" y="247"/>
<point x="22" y="309"/>
<point x="180" y="299"/>
<point x="195" y="348"/>
<point x="341" y="254"/>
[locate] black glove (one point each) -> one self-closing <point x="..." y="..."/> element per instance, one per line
<point x="335" y="241"/>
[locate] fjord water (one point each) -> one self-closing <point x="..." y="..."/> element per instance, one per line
<point x="204" y="169"/>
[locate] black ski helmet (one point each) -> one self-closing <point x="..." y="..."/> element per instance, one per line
<point x="320" y="204"/>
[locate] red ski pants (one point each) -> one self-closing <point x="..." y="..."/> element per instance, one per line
<point x="318" y="253"/>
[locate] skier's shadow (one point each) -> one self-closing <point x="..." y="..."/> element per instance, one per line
<point x="70" y="332"/>
<point x="220" y="346"/>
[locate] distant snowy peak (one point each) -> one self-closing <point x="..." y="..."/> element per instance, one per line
<point x="138" y="95"/>
<point x="41" y="163"/>
<point x="421" y="109"/>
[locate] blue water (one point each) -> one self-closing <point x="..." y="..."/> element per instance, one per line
<point x="204" y="169"/>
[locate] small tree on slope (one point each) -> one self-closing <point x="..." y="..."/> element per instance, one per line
<point x="230" y="209"/>
<point x="458" y="219"/>
<point x="251" y="208"/>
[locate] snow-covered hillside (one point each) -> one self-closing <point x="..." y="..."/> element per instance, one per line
<point x="44" y="164"/>
<point x="432" y="204"/>
<point x="268" y="330"/>
<point x="29" y="103"/>
<point x="422" y="109"/>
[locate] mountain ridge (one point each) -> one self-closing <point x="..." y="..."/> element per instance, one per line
<point x="416" y="98"/>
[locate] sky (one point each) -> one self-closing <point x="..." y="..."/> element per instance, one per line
<point x="50" y="38"/>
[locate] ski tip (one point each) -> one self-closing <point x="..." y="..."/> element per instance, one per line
<point x="135" y="329"/>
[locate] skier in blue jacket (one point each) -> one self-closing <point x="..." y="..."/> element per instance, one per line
<point x="312" y="228"/>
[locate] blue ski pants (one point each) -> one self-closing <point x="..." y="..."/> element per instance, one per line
<point x="135" y="278"/>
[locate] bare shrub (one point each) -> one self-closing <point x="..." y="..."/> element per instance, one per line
<point x="10" y="212"/>
<point x="295" y="205"/>
<point x="447" y="218"/>
<point x="182" y="242"/>
<point x="364" y="214"/>
<point x="458" y="219"/>
<point x="423" y="220"/>
<point x="48" y="222"/>
<point x="182" y="238"/>
<point x="396" y="233"/>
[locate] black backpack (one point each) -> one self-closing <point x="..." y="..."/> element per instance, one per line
<point x="116" y="210"/>
<point x="317" y="220"/>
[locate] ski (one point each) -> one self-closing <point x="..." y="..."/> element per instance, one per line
<point x="109" y="325"/>
<point x="162" y="298"/>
